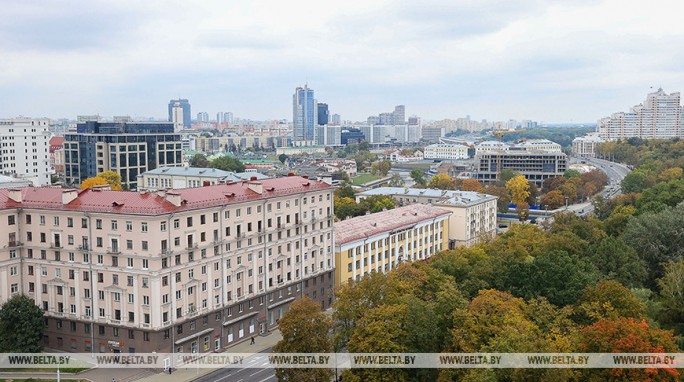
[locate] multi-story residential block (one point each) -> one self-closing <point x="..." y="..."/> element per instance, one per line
<point x="185" y="177"/>
<point x="189" y="270"/>
<point x="473" y="214"/>
<point x="379" y="242"/>
<point x="586" y="146"/>
<point x="539" y="144"/>
<point x="659" y="117"/>
<point x="24" y="149"/>
<point x="446" y="151"/>
<point x="127" y="148"/>
<point x="534" y="165"/>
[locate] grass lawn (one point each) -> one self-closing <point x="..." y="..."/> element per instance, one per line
<point x="365" y="178"/>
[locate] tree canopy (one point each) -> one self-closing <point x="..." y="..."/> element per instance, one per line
<point x="227" y="163"/>
<point x="21" y="325"/>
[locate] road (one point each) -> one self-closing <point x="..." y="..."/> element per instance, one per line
<point x="249" y="374"/>
<point x="615" y="171"/>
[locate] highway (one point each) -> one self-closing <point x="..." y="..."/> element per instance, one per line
<point x="615" y="171"/>
<point x="249" y="374"/>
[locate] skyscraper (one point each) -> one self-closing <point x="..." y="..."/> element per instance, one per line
<point x="304" y="114"/>
<point x="185" y="105"/>
<point x="399" y="115"/>
<point x="323" y="114"/>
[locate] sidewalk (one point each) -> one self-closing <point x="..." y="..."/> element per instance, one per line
<point x="190" y="374"/>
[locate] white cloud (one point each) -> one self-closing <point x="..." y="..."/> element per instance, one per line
<point x="491" y="59"/>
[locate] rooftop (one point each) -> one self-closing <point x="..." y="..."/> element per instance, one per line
<point x="365" y="226"/>
<point x="156" y="203"/>
<point x="452" y="197"/>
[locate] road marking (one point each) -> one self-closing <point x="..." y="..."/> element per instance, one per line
<point x="262" y="370"/>
<point x="263" y="380"/>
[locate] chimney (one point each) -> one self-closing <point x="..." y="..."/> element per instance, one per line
<point x="103" y="187"/>
<point x="15" y="194"/>
<point x="174" y="198"/>
<point x="68" y="196"/>
<point x="257" y="187"/>
<point x="253" y="178"/>
<point x="305" y="176"/>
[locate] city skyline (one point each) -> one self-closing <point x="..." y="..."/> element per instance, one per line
<point x="549" y="62"/>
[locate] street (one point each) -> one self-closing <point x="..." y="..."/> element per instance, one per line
<point x="249" y="374"/>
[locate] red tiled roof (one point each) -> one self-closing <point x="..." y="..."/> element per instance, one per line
<point x="135" y="203"/>
<point x="56" y="141"/>
<point x="365" y="226"/>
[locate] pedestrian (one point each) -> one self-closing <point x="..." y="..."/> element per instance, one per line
<point x="252" y="342"/>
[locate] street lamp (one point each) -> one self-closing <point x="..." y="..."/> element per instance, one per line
<point x="566" y="202"/>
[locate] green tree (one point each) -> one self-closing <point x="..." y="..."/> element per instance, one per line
<point x="227" y="163"/>
<point x="396" y="181"/>
<point x="607" y="299"/>
<point x="616" y="260"/>
<point x="377" y="203"/>
<point x="672" y="290"/>
<point x="305" y="329"/>
<point x="384" y="166"/>
<point x="21" y="325"/>
<point x="505" y="175"/>
<point x="570" y="173"/>
<point x="282" y="158"/>
<point x="199" y="160"/>
<point x="418" y="176"/>
<point x="345" y="191"/>
<point x="555" y="275"/>
<point x="636" y="181"/>
<point x="657" y="239"/>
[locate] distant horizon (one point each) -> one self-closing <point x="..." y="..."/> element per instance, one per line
<point x="550" y="62"/>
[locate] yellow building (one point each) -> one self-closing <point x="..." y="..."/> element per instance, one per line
<point x="379" y="242"/>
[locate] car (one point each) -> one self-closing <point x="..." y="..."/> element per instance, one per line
<point x="503" y="226"/>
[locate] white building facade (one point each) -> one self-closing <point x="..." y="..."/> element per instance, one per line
<point x="446" y="151"/>
<point x="25" y="149"/>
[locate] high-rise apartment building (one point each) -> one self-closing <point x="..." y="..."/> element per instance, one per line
<point x="304" y="114"/>
<point x="188" y="270"/>
<point x="203" y="116"/>
<point x="127" y="148"/>
<point x="659" y="117"/>
<point x="399" y="115"/>
<point x="323" y="114"/>
<point x="228" y="117"/>
<point x="25" y="149"/>
<point x="184" y="104"/>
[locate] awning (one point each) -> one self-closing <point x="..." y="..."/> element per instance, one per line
<point x="277" y="304"/>
<point x="196" y="335"/>
<point x="240" y="318"/>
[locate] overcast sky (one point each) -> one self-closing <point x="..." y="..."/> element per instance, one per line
<point x="551" y="61"/>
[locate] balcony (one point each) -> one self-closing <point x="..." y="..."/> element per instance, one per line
<point x="192" y="246"/>
<point x="146" y="326"/>
<point x="14" y="244"/>
<point x="82" y="247"/>
<point x="113" y="250"/>
<point x="56" y="245"/>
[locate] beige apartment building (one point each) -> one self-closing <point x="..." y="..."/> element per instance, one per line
<point x="381" y="241"/>
<point x="187" y="270"/>
<point x="473" y="214"/>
